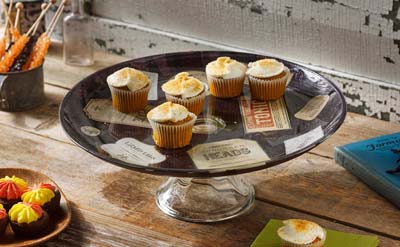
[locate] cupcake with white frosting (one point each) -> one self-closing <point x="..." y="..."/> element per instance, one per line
<point x="267" y="79"/>
<point x="187" y="91"/>
<point x="172" y="125"/>
<point x="129" y="89"/>
<point x="225" y="77"/>
<point x="301" y="233"/>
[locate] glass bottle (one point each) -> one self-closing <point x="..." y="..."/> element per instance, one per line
<point x="77" y="36"/>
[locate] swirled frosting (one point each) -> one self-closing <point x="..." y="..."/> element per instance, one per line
<point x="168" y="111"/>
<point x="24" y="212"/>
<point x="39" y="194"/>
<point x="300" y="231"/>
<point x="226" y="68"/>
<point x="183" y="85"/>
<point x="265" y="68"/>
<point x="11" y="188"/>
<point x="128" y="77"/>
<point x="3" y="212"/>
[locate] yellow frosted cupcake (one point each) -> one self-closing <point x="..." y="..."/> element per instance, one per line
<point x="301" y="233"/>
<point x="172" y="125"/>
<point x="225" y="77"/>
<point x="129" y="89"/>
<point x="267" y="79"/>
<point x="187" y="91"/>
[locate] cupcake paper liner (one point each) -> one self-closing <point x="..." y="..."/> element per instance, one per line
<point x="126" y="101"/>
<point x="226" y="88"/>
<point x="193" y="104"/>
<point x="265" y="89"/>
<point x="173" y="136"/>
<point x="318" y="244"/>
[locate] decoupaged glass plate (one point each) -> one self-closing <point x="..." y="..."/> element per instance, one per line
<point x="231" y="136"/>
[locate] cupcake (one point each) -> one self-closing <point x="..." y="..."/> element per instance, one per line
<point x="172" y="125"/>
<point x="129" y="89"/>
<point x="11" y="189"/>
<point x="187" y="91"/>
<point x="3" y="219"/>
<point x="267" y="79"/>
<point x="301" y="233"/>
<point x="45" y="195"/>
<point x="225" y="77"/>
<point x="28" y="220"/>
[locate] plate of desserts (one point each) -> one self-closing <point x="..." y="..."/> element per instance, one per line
<point x="202" y="114"/>
<point x="33" y="209"/>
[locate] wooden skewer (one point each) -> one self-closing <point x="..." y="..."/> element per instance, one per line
<point x="37" y="22"/>
<point x="44" y="7"/>
<point x="56" y="16"/>
<point x="19" y="7"/>
<point x="7" y="13"/>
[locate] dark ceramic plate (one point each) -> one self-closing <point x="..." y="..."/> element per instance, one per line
<point x="304" y="85"/>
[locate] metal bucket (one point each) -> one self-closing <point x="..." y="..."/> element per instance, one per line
<point x="21" y="91"/>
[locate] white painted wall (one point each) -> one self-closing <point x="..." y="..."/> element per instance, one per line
<point x="352" y="36"/>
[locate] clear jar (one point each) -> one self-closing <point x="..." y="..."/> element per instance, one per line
<point x="77" y="36"/>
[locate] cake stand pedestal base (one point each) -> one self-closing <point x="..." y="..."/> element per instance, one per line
<point x="205" y="199"/>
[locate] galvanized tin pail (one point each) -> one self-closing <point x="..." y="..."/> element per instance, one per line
<point x="21" y="90"/>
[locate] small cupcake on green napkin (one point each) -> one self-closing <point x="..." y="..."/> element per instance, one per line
<point x="301" y="233"/>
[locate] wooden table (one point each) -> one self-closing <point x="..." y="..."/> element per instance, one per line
<point x="116" y="207"/>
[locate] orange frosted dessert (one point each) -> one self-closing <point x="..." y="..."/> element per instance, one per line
<point x="267" y="79"/>
<point x="129" y="89"/>
<point x="187" y="91"/>
<point x="225" y="77"/>
<point x="172" y="125"/>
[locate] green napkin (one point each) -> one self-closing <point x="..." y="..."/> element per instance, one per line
<point x="269" y="238"/>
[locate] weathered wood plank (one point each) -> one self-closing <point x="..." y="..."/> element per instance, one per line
<point x="42" y="120"/>
<point x="321" y="187"/>
<point x="355" y="128"/>
<point x="94" y="185"/>
<point x="92" y="229"/>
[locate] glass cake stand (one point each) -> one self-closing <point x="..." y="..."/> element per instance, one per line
<point x="202" y="189"/>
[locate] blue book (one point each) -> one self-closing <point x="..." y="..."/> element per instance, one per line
<point x="376" y="162"/>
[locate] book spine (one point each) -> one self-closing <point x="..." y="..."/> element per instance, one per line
<point x="371" y="178"/>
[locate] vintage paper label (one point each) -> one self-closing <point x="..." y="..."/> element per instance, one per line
<point x="102" y="110"/>
<point x="228" y="154"/>
<point x="133" y="151"/>
<point x="300" y="142"/>
<point x="90" y="131"/>
<point x="313" y="108"/>
<point x="153" y="93"/>
<point x="259" y="116"/>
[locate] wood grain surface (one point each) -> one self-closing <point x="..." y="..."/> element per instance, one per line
<point x="116" y="207"/>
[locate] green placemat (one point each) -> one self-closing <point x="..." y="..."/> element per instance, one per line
<point x="269" y="238"/>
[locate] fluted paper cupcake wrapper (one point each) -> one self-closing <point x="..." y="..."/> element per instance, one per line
<point x="265" y="89"/>
<point x="226" y="88"/>
<point x="173" y="136"/>
<point x="193" y="104"/>
<point x="126" y="101"/>
<point x="318" y="244"/>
